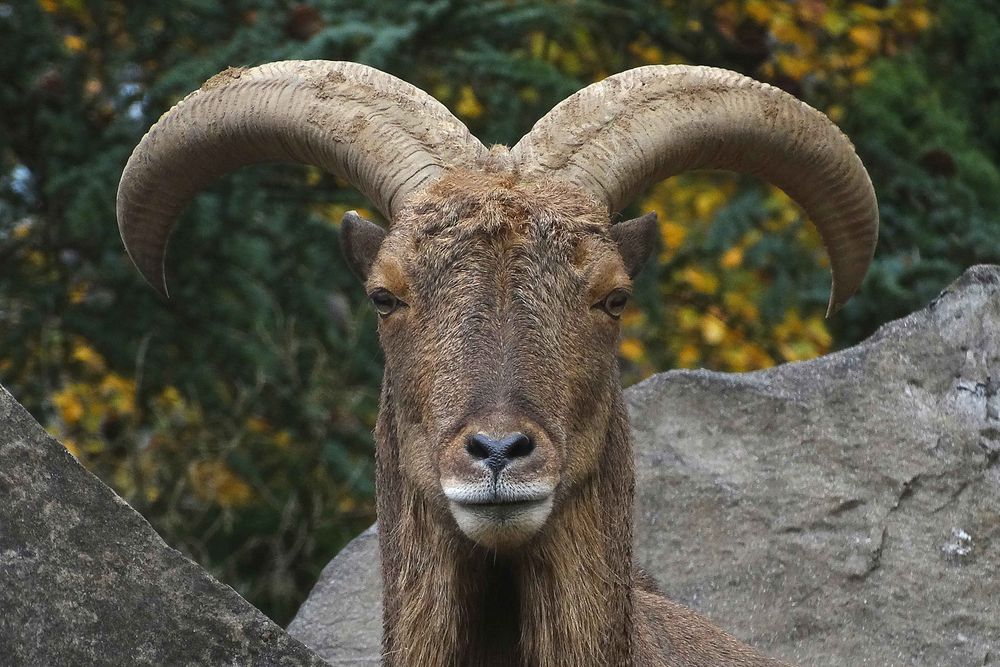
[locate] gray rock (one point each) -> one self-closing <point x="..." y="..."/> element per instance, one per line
<point x="84" y="580"/>
<point x="342" y="618"/>
<point x="843" y="511"/>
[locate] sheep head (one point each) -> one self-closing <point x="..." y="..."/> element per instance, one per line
<point x="501" y="279"/>
<point x="499" y="300"/>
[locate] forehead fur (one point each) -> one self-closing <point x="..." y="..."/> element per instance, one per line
<point x="498" y="202"/>
<point x="474" y="217"/>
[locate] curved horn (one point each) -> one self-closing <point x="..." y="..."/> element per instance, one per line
<point x="618" y="136"/>
<point x="381" y="134"/>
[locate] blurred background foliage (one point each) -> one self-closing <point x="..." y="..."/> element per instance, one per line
<point x="237" y="416"/>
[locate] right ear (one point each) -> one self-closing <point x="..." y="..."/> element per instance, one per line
<point x="636" y="239"/>
<point x="360" y="241"/>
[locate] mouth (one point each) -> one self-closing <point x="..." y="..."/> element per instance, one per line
<point x="497" y="494"/>
<point x="498" y="516"/>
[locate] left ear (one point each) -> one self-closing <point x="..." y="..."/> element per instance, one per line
<point x="636" y="239"/>
<point x="360" y="241"/>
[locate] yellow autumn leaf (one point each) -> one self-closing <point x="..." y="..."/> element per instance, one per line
<point x="834" y="23"/>
<point x="737" y="358"/>
<point x="790" y="327"/>
<point x="788" y="32"/>
<point x="861" y="77"/>
<point x="713" y="330"/>
<point x="347" y="504"/>
<point x="87" y="356"/>
<point x="468" y="105"/>
<point x="857" y="58"/>
<point x="700" y="280"/>
<point x="759" y="10"/>
<point x="706" y="202"/>
<point x="214" y="482"/>
<point x="68" y="405"/>
<point x="867" y="12"/>
<point x="689" y="356"/>
<point x="742" y="305"/>
<point x="819" y="332"/>
<point x="78" y="293"/>
<point x="632" y="350"/>
<point x="687" y="318"/>
<point x="866" y="36"/>
<point x="673" y="236"/>
<point x="732" y="258"/>
<point x="74" y="43"/>
<point x="646" y="52"/>
<point x="170" y="397"/>
<point x="920" y="18"/>
<point x="794" y="66"/>
<point x="119" y="392"/>
<point x="759" y="358"/>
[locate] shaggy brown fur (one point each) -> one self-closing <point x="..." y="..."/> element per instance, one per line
<point x="498" y="278"/>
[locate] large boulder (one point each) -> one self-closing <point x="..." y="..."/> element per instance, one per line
<point x="84" y="580"/>
<point x="841" y="511"/>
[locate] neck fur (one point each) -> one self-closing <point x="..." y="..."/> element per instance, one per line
<point x="564" y="600"/>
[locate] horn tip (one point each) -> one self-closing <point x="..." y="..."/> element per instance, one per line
<point x="158" y="281"/>
<point x="838" y="300"/>
<point x="832" y="308"/>
<point x="152" y="272"/>
<point x="162" y="288"/>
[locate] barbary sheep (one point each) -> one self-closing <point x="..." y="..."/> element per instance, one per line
<point x="504" y="465"/>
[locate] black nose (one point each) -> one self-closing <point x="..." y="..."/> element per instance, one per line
<point x="498" y="454"/>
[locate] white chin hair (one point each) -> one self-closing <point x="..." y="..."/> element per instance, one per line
<point x="501" y="526"/>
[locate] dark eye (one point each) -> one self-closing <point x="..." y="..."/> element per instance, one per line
<point x="384" y="301"/>
<point x="614" y="303"/>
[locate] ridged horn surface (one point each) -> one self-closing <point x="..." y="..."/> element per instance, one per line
<point x="618" y="136"/>
<point x="383" y="135"/>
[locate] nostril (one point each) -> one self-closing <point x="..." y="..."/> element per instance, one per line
<point x="521" y="446"/>
<point x="478" y="446"/>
